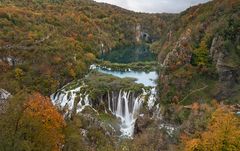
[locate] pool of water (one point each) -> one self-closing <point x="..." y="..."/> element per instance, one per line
<point x="146" y="78"/>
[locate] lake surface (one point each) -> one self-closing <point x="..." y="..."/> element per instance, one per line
<point x="146" y="78"/>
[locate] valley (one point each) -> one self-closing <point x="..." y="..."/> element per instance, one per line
<point x="78" y="75"/>
<point x="123" y="102"/>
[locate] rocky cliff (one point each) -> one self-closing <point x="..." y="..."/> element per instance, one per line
<point x="201" y="55"/>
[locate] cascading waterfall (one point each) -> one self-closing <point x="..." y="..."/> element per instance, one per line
<point x="126" y="107"/>
<point x="65" y="99"/>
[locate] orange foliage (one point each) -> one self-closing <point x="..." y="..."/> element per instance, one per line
<point x="223" y="133"/>
<point x="48" y="122"/>
<point x="90" y="37"/>
<point x="195" y="106"/>
<point x="90" y="57"/>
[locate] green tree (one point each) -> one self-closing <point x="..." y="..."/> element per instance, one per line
<point x="74" y="140"/>
<point x="201" y="55"/>
<point x="9" y="121"/>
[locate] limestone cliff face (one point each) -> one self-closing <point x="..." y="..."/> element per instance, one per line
<point x="181" y="54"/>
<point x="177" y="58"/>
<point x="138" y="33"/>
<point x="177" y="71"/>
<point x="4" y="95"/>
<point x="142" y="35"/>
<point x="228" y="74"/>
<point x="215" y="51"/>
<point x="199" y="54"/>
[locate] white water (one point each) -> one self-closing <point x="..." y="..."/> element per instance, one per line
<point x="128" y="108"/>
<point x="125" y="105"/>
<point x="64" y="99"/>
<point x="4" y="95"/>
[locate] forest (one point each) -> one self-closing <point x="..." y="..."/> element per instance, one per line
<point x="56" y="93"/>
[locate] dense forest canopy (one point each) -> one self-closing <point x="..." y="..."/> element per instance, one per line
<point x="40" y="37"/>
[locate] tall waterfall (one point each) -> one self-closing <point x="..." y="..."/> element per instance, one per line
<point x="126" y="107"/>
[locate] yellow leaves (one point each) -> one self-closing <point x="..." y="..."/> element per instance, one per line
<point x="85" y="19"/>
<point x="223" y="133"/>
<point x="201" y="55"/>
<point x="193" y="145"/>
<point x="18" y="73"/>
<point x="203" y="45"/>
<point x="31" y="35"/>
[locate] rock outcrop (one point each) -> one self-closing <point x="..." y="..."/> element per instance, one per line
<point x="4" y="95"/>
<point x="141" y="35"/>
<point x="179" y="57"/>
<point x="142" y="123"/>
<point x="181" y="54"/>
<point x="228" y="74"/>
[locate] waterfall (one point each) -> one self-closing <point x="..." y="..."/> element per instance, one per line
<point x="66" y="99"/>
<point x="84" y="102"/>
<point x="152" y="98"/>
<point x="125" y="107"/>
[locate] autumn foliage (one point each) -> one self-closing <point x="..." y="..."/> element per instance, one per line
<point x="222" y="134"/>
<point x="42" y="124"/>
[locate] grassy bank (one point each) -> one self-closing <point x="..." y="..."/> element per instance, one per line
<point x="136" y="66"/>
